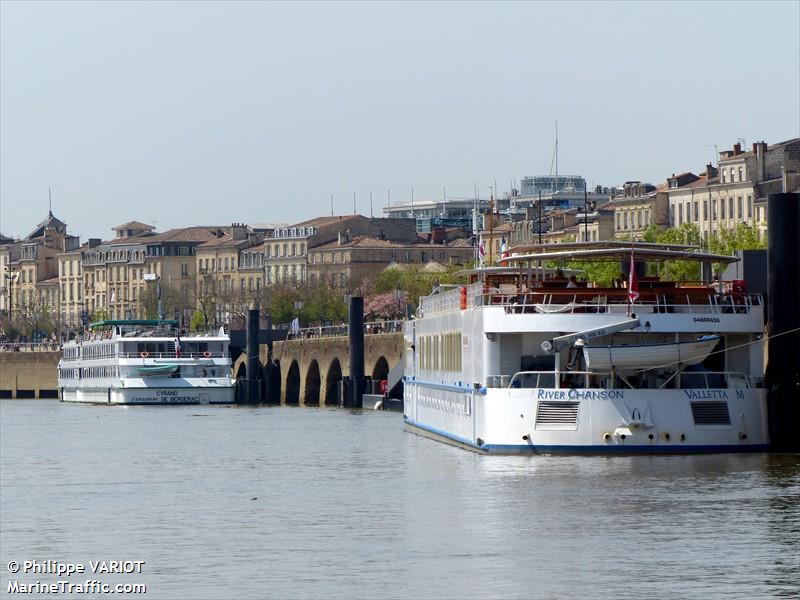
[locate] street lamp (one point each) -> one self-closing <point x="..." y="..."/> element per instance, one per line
<point x="10" y="276"/>
<point x="157" y="278"/>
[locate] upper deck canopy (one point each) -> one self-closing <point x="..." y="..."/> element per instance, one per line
<point x="613" y="251"/>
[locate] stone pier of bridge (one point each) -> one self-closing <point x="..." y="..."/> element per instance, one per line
<point x="307" y="371"/>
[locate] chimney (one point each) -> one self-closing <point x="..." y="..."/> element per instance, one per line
<point x="94" y="242"/>
<point x="737" y="149"/>
<point x="761" y="160"/>
<point x="711" y="171"/>
<point x="238" y="231"/>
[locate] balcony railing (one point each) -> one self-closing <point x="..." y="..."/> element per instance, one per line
<point x="605" y="380"/>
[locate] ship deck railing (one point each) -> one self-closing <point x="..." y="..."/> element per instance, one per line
<point x="194" y="355"/>
<point x="154" y="332"/>
<point x="148" y="355"/>
<point x="612" y="300"/>
<point x="608" y="380"/>
<point x="698" y="299"/>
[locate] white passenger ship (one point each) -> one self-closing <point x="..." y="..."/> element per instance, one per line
<point x="146" y="362"/>
<point x="518" y="362"/>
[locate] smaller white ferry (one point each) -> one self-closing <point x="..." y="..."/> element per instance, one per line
<point x="146" y="362"/>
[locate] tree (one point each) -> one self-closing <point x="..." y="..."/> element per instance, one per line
<point x="387" y="305"/>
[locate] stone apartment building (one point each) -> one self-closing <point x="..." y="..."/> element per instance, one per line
<point x="350" y="259"/>
<point x="638" y="206"/>
<point x="230" y="272"/>
<point x="70" y="287"/>
<point x="30" y="271"/>
<point x="736" y="191"/>
<point x="286" y="251"/>
<point x="114" y="270"/>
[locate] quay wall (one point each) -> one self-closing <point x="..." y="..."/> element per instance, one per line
<point x="29" y="374"/>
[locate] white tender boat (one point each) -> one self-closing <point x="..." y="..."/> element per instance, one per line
<point x="647" y="356"/>
<point x="516" y="362"/>
<point x="146" y="362"/>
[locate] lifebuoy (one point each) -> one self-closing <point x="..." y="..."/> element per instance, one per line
<point x="144" y="354"/>
<point x="383" y="386"/>
<point x="206" y="354"/>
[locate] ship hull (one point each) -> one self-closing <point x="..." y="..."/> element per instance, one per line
<point x="589" y="421"/>
<point x="150" y="396"/>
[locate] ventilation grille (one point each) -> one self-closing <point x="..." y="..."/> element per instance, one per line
<point x="711" y="413"/>
<point x="557" y="415"/>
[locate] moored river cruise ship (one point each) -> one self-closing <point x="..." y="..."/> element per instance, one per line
<point x="146" y="362"/>
<point x="524" y="360"/>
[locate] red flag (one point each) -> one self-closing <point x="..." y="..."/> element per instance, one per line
<point x="633" y="282"/>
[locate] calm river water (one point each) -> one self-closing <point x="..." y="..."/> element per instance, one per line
<point x="279" y="502"/>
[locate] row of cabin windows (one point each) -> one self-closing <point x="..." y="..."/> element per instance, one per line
<point x="440" y="352"/>
<point x="95" y="351"/>
<point x="99" y="372"/>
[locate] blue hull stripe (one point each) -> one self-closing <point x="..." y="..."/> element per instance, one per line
<point x="604" y="449"/>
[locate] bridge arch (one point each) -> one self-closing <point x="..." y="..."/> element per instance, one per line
<point x="241" y="370"/>
<point x="381" y="369"/>
<point x="292" y="386"/>
<point x="312" y="387"/>
<point x="332" y="378"/>
<point x="272" y="379"/>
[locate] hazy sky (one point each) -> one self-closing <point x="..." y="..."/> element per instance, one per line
<point x="206" y="113"/>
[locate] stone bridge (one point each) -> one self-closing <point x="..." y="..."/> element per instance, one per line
<point x="308" y="371"/>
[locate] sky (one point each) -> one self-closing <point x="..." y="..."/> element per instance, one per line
<point x="185" y="113"/>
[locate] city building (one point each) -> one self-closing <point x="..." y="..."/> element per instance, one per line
<point x="30" y="275"/>
<point x="595" y="225"/>
<point x="286" y="251"/>
<point x="736" y="191"/>
<point x="230" y="273"/>
<point x="638" y="206"/>
<point x="70" y="287"/>
<point x="347" y="261"/>
<point x="549" y="184"/>
<point x="447" y="212"/>
<point x="114" y="271"/>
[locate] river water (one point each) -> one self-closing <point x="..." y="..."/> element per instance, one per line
<point x="287" y="502"/>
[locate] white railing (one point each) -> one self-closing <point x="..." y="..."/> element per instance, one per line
<point x="600" y="302"/>
<point x="595" y="300"/>
<point x="193" y="355"/>
<point x="370" y="328"/>
<point x="37" y="347"/>
<point x="598" y="379"/>
<point x="450" y="300"/>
